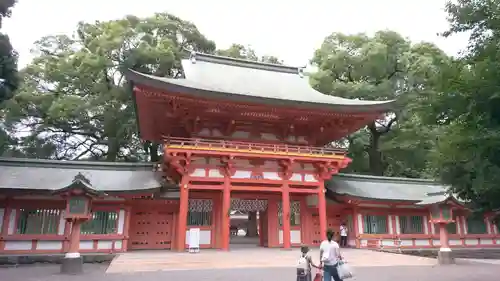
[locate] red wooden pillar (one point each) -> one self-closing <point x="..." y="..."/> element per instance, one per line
<point x="443" y="237"/>
<point x="322" y="211"/>
<point x="225" y="221"/>
<point x="74" y="240"/>
<point x="183" y="213"/>
<point x="5" y="225"/>
<point x="355" y="226"/>
<point x="285" y="198"/>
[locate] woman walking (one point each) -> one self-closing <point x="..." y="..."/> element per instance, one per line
<point x="329" y="254"/>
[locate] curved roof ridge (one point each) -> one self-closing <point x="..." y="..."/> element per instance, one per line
<point x="246" y="63"/>
<point x="393" y="179"/>
<point x="7" y="161"/>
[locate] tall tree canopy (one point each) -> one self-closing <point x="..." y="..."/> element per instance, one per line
<point x="239" y="51"/>
<point x="74" y="101"/>
<point x="468" y="150"/>
<point x="9" y="79"/>
<point x="385" y="66"/>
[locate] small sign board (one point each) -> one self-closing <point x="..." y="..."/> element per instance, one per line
<point x="194" y="240"/>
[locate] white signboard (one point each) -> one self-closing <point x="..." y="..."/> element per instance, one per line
<point x="194" y="240"/>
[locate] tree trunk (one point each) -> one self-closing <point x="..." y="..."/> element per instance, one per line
<point x="374" y="155"/>
<point x="252" y="224"/>
<point x="113" y="149"/>
<point x="153" y="152"/>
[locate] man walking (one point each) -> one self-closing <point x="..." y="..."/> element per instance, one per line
<point x="343" y="235"/>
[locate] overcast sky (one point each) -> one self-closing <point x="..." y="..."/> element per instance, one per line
<point x="290" y="30"/>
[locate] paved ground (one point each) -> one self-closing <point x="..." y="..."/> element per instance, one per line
<point x="256" y="265"/>
<point x="249" y="258"/>
<point x="465" y="272"/>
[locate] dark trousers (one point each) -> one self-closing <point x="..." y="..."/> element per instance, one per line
<point x="330" y="272"/>
<point x="343" y="241"/>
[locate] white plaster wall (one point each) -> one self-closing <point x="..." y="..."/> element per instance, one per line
<point x="104" y="244"/>
<point x="295" y="237"/>
<point x="86" y="245"/>
<point x="215" y="173"/>
<point x="271" y="176"/>
<point x="310" y="178"/>
<point x="198" y="173"/>
<point x="389" y="218"/>
<point x="465" y="225"/>
<point x="455" y="242"/>
<point x="205" y="237"/>
<point x="422" y="242"/>
<point x="426" y="225"/>
<point x="12" y="222"/>
<point x="471" y="242"/>
<point x="363" y="242"/>
<point x="488" y="226"/>
<point x="18" y="245"/>
<point x="2" y="212"/>
<point x="62" y="224"/>
<point x="49" y="245"/>
<point x="406" y="242"/>
<point x="436" y="242"/>
<point x="459" y="226"/>
<point x="486" y="241"/>
<point x="121" y="221"/>
<point x="239" y="174"/>
<point x="360" y="223"/>
<point x="398" y="228"/>
<point x="118" y="244"/>
<point x="387" y="242"/>
<point x="296" y="177"/>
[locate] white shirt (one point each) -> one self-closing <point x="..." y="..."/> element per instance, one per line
<point x="331" y="252"/>
<point x="343" y="230"/>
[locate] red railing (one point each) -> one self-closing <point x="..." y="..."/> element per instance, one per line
<point x="252" y="147"/>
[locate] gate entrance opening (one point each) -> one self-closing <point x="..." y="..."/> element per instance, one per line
<point x="247" y="227"/>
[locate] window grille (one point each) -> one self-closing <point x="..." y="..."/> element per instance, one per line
<point x="411" y="224"/>
<point x="375" y="224"/>
<point x="38" y="221"/>
<point x="102" y="222"/>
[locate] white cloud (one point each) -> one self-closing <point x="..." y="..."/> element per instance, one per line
<point x="290" y="30"/>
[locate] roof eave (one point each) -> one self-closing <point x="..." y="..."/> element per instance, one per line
<point x="139" y="78"/>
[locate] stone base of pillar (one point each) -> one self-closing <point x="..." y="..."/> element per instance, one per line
<point x="72" y="265"/>
<point x="445" y="257"/>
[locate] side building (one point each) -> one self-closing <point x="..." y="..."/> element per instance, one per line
<point x="139" y="211"/>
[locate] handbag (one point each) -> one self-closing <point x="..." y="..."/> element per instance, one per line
<point x="344" y="270"/>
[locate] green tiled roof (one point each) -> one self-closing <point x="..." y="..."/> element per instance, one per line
<point x="419" y="191"/>
<point x="35" y="174"/>
<point x="216" y="77"/>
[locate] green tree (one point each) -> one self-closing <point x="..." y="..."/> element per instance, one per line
<point x="468" y="151"/>
<point x="9" y="80"/>
<point x="74" y="99"/>
<point x="385" y="66"/>
<point x="239" y="51"/>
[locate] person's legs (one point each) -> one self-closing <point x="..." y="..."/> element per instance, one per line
<point x="343" y="240"/>
<point x="334" y="273"/>
<point x="326" y="273"/>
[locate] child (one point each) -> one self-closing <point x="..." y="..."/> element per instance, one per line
<point x="304" y="265"/>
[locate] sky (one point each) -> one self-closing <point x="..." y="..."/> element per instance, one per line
<point x="290" y="30"/>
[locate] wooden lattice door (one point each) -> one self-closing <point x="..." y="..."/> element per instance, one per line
<point x="150" y="229"/>
<point x="332" y="223"/>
